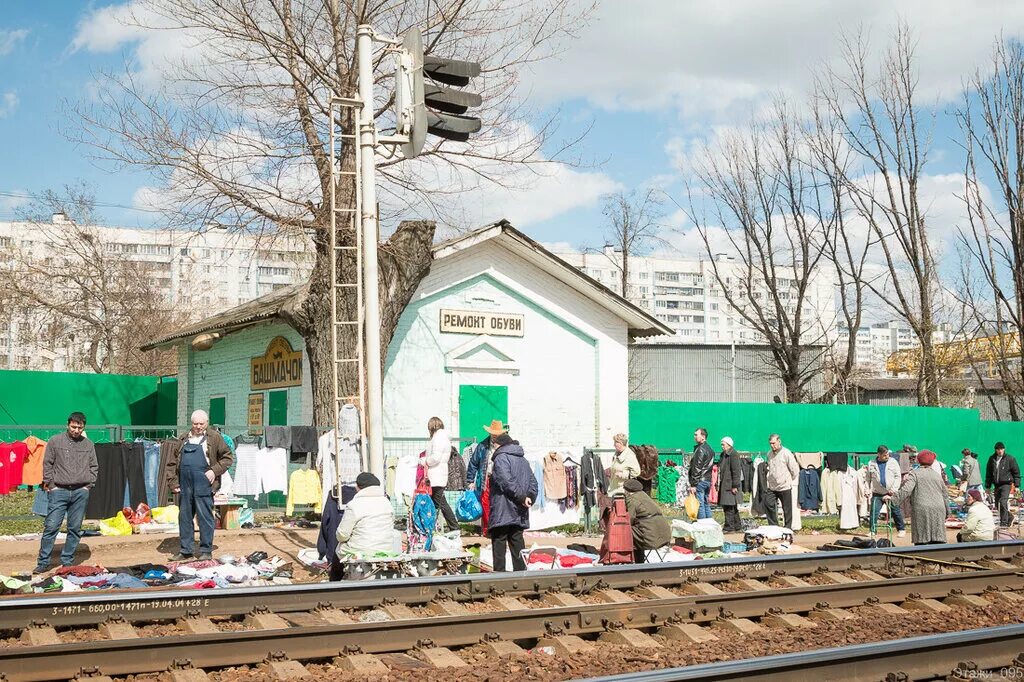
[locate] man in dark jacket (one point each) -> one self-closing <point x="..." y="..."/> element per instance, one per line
<point x="651" y="530"/>
<point x="700" y="471"/>
<point x="730" y="476"/>
<point x="196" y="462"/>
<point x="513" y="488"/>
<point x="1002" y="474"/>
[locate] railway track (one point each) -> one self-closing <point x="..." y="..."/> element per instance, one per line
<point x="565" y="610"/>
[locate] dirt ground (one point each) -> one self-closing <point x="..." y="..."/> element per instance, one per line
<point x="18" y="556"/>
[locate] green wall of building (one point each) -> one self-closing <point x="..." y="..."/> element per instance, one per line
<point x="48" y="397"/>
<point x="809" y="428"/>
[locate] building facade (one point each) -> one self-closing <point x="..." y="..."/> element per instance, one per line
<point x="685" y="294"/>
<point x="196" y="272"/>
<point x="499" y="329"/>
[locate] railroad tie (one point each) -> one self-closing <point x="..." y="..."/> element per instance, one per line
<point x="561" y="599"/>
<point x="863" y="574"/>
<point x="967" y="600"/>
<point x="398" y="611"/>
<point x="198" y="626"/>
<point x="995" y="564"/>
<point x="701" y="589"/>
<point x="612" y="596"/>
<point x="260" y="620"/>
<point x="305" y="619"/>
<point x="787" y="621"/>
<point x="656" y="592"/>
<point x="886" y="609"/>
<point x="751" y="584"/>
<point x="633" y="638"/>
<point x="364" y="664"/>
<point x="926" y="605"/>
<point x="566" y="645"/>
<point x="442" y="657"/>
<point x="506" y="603"/>
<point x="403" y="662"/>
<point x="117" y="628"/>
<point x="284" y="669"/>
<point x="92" y="675"/>
<point x="189" y="675"/>
<point x="334" y="616"/>
<point x="740" y="626"/>
<point x="40" y="634"/>
<point x="825" y="614"/>
<point x="837" y="578"/>
<point x="1003" y="595"/>
<point x="447" y="607"/>
<point x="502" y="647"/>
<point x="686" y="632"/>
<point x="792" y="581"/>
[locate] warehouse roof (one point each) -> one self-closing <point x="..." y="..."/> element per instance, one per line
<point x="272" y="305"/>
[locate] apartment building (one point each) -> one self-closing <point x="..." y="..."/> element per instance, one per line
<point x="876" y="342"/>
<point x="685" y="294"/>
<point x="201" y="271"/>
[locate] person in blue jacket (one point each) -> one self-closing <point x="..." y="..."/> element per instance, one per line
<point x="476" y="472"/>
<point x="513" y="488"/>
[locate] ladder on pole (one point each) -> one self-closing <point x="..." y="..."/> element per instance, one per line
<point x="346" y="218"/>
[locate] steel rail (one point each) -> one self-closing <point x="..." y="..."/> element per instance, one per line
<point x="68" y="609"/>
<point x="915" y="658"/>
<point x="142" y="655"/>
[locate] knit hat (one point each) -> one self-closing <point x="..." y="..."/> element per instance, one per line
<point x="926" y="457"/>
<point x="366" y="479"/>
<point x="727" y="442"/>
<point x="974" y="494"/>
<point x="633" y="485"/>
<point x="1000" y="446"/>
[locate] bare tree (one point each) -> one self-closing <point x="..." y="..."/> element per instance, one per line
<point x="79" y="293"/>
<point x="881" y="121"/>
<point x="237" y="130"/>
<point x="632" y="223"/>
<point x="992" y="276"/>
<point x="771" y="209"/>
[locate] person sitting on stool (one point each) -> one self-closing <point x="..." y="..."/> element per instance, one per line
<point x="651" y="530"/>
<point x="979" y="526"/>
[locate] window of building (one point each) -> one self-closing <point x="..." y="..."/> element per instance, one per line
<point x="266" y="271"/>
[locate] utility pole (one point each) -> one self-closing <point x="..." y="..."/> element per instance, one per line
<point x="370" y="237"/>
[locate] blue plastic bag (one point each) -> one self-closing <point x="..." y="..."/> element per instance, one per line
<point x="468" y="508"/>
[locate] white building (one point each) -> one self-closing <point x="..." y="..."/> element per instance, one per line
<point x="500" y="328"/>
<point x="876" y="342"/>
<point x="198" y="271"/>
<point x="684" y="294"/>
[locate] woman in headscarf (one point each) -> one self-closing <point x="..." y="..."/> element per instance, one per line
<point x="929" y="502"/>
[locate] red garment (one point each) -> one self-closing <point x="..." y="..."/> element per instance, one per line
<point x="540" y="558"/>
<point x="80" y="571"/>
<point x="681" y="550"/>
<point x="204" y="585"/>
<point x="713" y="493"/>
<point x="5" y="468"/>
<point x="570" y="560"/>
<point x="485" y="504"/>
<point x="19" y="454"/>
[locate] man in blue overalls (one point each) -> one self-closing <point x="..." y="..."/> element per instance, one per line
<point x="194" y="469"/>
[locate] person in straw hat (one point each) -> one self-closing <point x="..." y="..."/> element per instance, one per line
<point x="480" y="463"/>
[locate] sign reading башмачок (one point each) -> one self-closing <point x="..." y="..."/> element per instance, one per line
<point x="481" y="322"/>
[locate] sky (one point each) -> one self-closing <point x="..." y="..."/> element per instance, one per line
<point x="651" y="79"/>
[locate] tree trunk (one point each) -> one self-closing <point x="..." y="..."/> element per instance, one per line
<point x="927" y="375"/>
<point x="404" y="259"/>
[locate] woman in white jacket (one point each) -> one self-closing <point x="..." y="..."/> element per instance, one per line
<point x="436" y="456"/>
<point x="368" y="525"/>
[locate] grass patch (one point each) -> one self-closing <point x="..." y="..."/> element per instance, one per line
<point x="16" y="514"/>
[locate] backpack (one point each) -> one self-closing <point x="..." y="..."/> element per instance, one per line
<point x="617" y="545"/>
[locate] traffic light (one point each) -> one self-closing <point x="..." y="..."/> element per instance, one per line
<point x="427" y="106"/>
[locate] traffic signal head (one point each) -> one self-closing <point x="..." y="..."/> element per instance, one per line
<point x="427" y="106"/>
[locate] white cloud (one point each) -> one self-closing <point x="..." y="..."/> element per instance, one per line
<point x="720" y="60"/>
<point x="9" y="39"/>
<point x="8" y="103"/>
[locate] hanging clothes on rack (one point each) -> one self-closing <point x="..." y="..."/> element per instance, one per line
<point x="277" y="437"/>
<point x="848" y="510"/>
<point x="666" y="481"/>
<point x="836" y="461"/>
<point x="594" y="478"/>
<point x="303" y="439"/>
<point x="456" y="471"/>
<point x="304" y="488"/>
<point x="758" y="502"/>
<point x="554" y="477"/>
<point x="713" y="493"/>
<point x="32" y="473"/>
<point x="572" y="486"/>
<point x="747" y="470"/>
<point x="809" y="493"/>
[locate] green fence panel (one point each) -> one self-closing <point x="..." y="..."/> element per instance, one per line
<point x="48" y="397"/>
<point x="849" y="428"/>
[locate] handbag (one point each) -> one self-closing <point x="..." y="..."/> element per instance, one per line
<point x="468" y="508"/>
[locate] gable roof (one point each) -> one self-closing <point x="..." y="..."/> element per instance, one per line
<point x="270" y="306"/>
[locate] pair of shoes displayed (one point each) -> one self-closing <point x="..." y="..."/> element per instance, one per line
<point x="39" y="570"/>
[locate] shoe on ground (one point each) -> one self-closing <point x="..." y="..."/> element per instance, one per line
<point x="206" y="557"/>
<point x="39" y="570"/>
<point x="901" y="534"/>
<point x="181" y="557"/>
